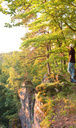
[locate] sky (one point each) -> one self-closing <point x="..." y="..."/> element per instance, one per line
<point x="10" y="38"/>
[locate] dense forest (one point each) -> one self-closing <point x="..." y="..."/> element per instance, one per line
<point x="42" y="60"/>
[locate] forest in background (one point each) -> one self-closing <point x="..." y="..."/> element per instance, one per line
<point x="52" y="27"/>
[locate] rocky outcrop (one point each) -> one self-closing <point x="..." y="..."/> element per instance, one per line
<point x="38" y="114"/>
<point x="37" y="107"/>
<point x="27" y="98"/>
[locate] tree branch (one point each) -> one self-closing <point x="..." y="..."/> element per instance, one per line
<point x="70" y="27"/>
<point x="73" y="4"/>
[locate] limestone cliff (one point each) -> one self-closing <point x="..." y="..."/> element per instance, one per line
<point x="38" y="114"/>
<point x="52" y="106"/>
<point x="27" y="98"/>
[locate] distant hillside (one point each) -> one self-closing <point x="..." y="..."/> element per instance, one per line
<point x="3" y="54"/>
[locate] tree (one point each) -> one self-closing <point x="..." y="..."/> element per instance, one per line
<point x="49" y="23"/>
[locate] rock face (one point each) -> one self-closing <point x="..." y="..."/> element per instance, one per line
<point x="38" y="114"/>
<point x="33" y="106"/>
<point x="27" y="98"/>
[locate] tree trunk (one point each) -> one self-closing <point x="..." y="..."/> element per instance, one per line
<point x="48" y="65"/>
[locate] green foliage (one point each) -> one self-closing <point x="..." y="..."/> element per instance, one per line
<point x="8" y="106"/>
<point x="52" y="25"/>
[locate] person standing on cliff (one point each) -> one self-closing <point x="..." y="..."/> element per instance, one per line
<point x="71" y="64"/>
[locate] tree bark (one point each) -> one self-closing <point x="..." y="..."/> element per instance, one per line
<point x="48" y="64"/>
